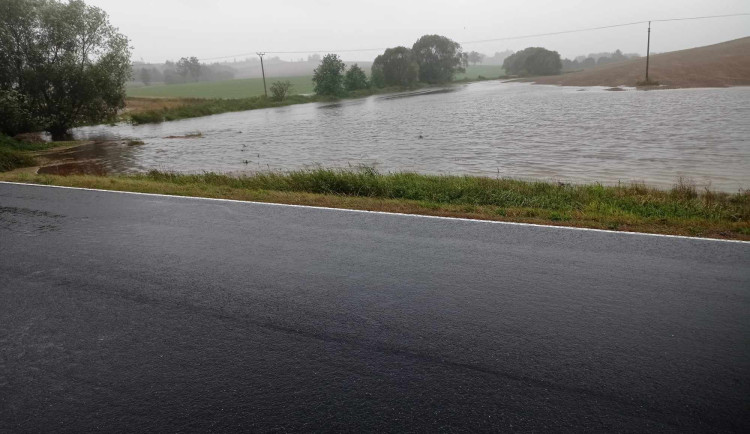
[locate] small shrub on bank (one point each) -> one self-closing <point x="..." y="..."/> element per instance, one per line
<point x="280" y="90"/>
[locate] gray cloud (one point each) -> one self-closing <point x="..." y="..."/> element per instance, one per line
<point x="169" y="29"/>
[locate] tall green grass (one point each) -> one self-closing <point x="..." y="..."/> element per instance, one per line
<point x="682" y="202"/>
<point x="15" y="154"/>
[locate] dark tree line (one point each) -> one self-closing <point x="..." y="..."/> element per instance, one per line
<point x="432" y="59"/>
<point x="592" y="60"/>
<point x="185" y="70"/>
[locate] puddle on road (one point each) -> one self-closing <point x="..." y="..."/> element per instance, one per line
<point x="28" y="221"/>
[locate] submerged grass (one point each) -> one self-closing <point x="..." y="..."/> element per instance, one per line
<point x="680" y="211"/>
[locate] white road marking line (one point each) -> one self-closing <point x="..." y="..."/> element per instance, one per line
<point x="462" y="219"/>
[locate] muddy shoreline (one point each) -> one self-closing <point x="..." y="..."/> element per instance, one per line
<point x="83" y="158"/>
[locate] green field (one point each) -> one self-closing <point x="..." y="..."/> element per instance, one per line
<point x="247" y="87"/>
<point x="238" y="88"/>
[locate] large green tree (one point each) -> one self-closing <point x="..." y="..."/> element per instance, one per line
<point x="62" y="64"/>
<point x="398" y="67"/>
<point x="439" y="58"/>
<point x="355" y="79"/>
<point x="533" y="61"/>
<point x="328" y="77"/>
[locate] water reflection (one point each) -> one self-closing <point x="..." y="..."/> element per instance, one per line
<point x="488" y="128"/>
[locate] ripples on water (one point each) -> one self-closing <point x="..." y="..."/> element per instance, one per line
<point x="489" y="128"/>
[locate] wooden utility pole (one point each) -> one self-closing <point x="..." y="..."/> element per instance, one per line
<point x="648" y="49"/>
<point x="264" y="73"/>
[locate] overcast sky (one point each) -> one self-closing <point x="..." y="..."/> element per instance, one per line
<point x="170" y="29"/>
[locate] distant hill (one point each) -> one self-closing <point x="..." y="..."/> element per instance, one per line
<point x="720" y="65"/>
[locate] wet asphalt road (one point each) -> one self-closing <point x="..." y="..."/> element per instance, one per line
<point x="123" y="312"/>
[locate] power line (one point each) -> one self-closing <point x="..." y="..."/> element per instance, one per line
<point x="506" y="38"/>
<point x="601" y="28"/>
<point x="699" y="18"/>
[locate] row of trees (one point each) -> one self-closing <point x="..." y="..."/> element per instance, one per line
<point x="61" y="64"/>
<point x="539" y="61"/>
<point x="596" y="59"/>
<point x="432" y="59"/>
<point x="331" y="78"/>
<point x="185" y="70"/>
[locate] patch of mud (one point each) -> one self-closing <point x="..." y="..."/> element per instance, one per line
<point x="91" y="167"/>
<point x="93" y="158"/>
<point x="28" y="221"/>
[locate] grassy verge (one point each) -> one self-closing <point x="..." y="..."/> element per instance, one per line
<point x="15" y="154"/>
<point x="680" y="211"/>
<point x="192" y="108"/>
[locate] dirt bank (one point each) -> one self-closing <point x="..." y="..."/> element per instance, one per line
<point x="720" y="65"/>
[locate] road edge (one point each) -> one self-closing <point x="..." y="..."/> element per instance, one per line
<point x="462" y="219"/>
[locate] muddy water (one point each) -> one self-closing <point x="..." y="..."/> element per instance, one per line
<point x="490" y="128"/>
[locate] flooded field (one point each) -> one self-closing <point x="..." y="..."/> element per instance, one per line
<point x="489" y="129"/>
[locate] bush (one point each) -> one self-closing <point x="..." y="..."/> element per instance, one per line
<point x="533" y="61"/>
<point x="280" y="90"/>
<point x="355" y="79"/>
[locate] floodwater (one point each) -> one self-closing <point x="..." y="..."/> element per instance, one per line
<point x="492" y="129"/>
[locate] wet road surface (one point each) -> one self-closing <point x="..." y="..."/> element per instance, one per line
<point x="124" y="312"/>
